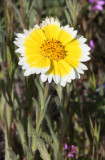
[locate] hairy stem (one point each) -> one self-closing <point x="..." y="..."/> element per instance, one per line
<point x="46" y="90"/>
<point x="40" y="118"/>
<point x="39" y="121"/>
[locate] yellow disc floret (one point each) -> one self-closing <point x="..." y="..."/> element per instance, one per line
<point x="53" y="49"/>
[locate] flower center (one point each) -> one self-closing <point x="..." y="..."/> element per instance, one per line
<point x="53" y="49"/>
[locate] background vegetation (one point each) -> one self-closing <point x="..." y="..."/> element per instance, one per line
<point x="74" y="115"/>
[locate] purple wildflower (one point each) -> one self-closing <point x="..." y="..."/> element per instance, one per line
<point x="69" y="150"/>
<point x="65" y="146"/>
<point x="70" y="155"/>
<point x="91" y="44"/>
<point x="73" y="149"/>
<point x="97" y="4"/>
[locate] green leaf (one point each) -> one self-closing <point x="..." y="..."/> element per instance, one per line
<point x="46" y="105"/>
<point x="30" y="127"/>
<point x="57" y="101"/>
<point x="64" y="115"/>
<point x="22" y="134"/>
<point x="9" y="118"/>
<point x="13" y="155"/>
<point x="91" y="126"/>
<point x="3" y="87"/>
<point x="32" y="135"/>
<point x="92" y="81"/>
<point x="97" y="133"/>
<point x="86" y="85"/>
<point x="42" y="149"/>
<point x="56" y="142"/>
<point x="34" y="143"/>
<point x="29" y="154"/>
<point x="59" y="92"/>
<point x="70" y="7"/>
<point x="37" y="108"/>
<point x="68" y="18"/>
<point x="47" y="101"/>
<point x="41" y="93"/>
<point x="2" y="108"/>
<point x="101" y="91"/>
<point x="47" y="138"/>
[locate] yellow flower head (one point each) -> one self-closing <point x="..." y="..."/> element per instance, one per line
<point x="54" y="52"/>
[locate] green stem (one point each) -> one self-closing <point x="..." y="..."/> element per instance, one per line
<point x="40" y="118"/>
<point x="67" y="96"/>
<point x="93" y="150"/>
<point x="39" y="121"/>
<point x="22" y="13"/>
<point x="61" y="139"/>
<point x="7" y="156"/>
<point x="59" y="91"/>
<point x="2" y="125"/>
<point x="46" y="90"/>
<point x="75" y="13"/>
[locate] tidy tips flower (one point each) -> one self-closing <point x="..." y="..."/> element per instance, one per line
<point x="54" y="52"/>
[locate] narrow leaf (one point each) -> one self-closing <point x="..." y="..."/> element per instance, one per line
<point x="42" y="149"/>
